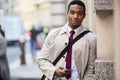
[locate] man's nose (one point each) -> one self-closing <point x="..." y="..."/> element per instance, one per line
<point x="75" y="15"/>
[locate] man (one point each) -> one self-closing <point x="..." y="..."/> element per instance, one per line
<point x="22" y="48"/>
<point x="33" y="34"/>
<point x="83" y="51"/>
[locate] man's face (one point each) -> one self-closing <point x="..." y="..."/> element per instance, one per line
<point x="75" y="16"/>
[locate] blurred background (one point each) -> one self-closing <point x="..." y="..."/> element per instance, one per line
<point x="22" y="19"/>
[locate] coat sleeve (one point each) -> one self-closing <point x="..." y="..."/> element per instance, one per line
<point x="89" y="72"/>
<point x="44" y="61"/>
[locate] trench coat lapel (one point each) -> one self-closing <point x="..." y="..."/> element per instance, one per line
<point x="77" y="54"/>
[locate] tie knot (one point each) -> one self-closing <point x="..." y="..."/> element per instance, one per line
<point x="72" y="32"/>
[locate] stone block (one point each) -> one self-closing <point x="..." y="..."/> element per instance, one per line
<point x="104" y="70"/>
<point x="103" y="4"/>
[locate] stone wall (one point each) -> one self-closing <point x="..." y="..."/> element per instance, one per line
<point x="104" y="70"/>
<point x="104" y="65"/>
<point x="103" y="4"/>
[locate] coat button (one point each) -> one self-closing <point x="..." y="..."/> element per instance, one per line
<point x="65" y="43"/>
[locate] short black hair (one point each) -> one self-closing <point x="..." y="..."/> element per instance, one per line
<point x="78" y="2"/>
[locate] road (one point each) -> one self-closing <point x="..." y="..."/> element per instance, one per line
<point x="29" y="71"/>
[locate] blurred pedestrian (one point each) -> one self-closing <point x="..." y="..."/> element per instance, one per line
<point x="4" y="68"/>
<point x="22" y="48"/>
<point x="33" y="34"/>
<point x="78" y="61"/>
<point x="2" y="32"/>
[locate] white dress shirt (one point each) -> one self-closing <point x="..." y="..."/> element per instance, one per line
<point x="74" y="75"/>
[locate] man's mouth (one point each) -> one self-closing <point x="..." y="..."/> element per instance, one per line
<point x="74" y="21"/>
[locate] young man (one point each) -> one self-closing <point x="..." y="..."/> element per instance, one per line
<point x="82" y="52"/>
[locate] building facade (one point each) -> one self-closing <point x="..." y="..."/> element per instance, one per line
<point x="6" y="5"/>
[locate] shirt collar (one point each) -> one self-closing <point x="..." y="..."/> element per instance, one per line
<point x="67" y="29"/>
<point x="77" y="30"/>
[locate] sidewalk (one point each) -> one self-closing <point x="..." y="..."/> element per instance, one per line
<point x="30" y="71"/>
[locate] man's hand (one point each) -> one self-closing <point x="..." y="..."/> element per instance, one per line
<point x="62" y="72"/>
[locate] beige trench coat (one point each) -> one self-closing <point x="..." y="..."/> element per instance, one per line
<point x="84" y="52"/>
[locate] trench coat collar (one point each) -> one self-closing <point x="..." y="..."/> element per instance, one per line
<point x="77" y="31"/>
<point x="63" y="30"/>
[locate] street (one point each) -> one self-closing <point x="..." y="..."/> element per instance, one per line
<point x="30" y="71"/>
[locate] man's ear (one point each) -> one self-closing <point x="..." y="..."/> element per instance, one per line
<point x="84" y="15"/>
<point x="67" y="13"/>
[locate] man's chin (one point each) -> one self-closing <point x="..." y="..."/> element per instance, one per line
<point x="76" y="26"/>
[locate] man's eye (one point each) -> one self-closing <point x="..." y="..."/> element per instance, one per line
<point x="80" y="13"/>
<point x="72" y="12"/>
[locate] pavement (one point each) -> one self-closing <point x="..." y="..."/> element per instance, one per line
<point x="29" y="71"/>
